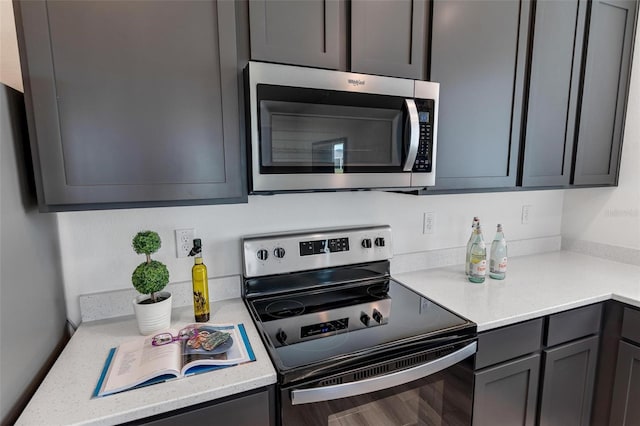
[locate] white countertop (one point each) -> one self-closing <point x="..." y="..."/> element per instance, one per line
<point x="535" y="286"/>
<point x="64" y="397"/>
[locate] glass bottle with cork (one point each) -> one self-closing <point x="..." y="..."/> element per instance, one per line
<point x="478" y="257"/>
<point x="200" y="283"/>
<point x="474" y="225"/>
<point x="498" y="262"/>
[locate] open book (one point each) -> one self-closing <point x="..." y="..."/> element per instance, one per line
<point x="139" y="363"/>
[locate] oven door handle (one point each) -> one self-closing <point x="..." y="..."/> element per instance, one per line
<point x="414" y="134"/>
<point x="326" y="393"/>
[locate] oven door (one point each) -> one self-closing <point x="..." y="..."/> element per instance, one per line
<point x="436" y="392"/>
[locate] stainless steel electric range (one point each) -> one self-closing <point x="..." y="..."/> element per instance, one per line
<point x="352" y="346"/>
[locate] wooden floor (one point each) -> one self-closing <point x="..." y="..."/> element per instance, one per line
<point x="404" y="409"/>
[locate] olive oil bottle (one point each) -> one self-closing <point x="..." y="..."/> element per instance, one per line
<point x="200" y="284"/>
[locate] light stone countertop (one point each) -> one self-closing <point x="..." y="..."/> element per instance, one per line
<point x="64" y="397"/>
<point x="535" y="286"/>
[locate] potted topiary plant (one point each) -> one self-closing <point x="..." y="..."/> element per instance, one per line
<point x="153" y="306"/>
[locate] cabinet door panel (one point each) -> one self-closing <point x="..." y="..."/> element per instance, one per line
<point x="507" y="394"/>
<point x="604" y="98"/>
<point x="625" y="409"/>
<point x="254" y="409"/>
<point x="567" y="390"/>
<point x="553" y="92"/>
<point x="478" y="57"/>
<point x="388" y="37"/>
<point x="310" y="32"/>
<point x="125" y="111"/>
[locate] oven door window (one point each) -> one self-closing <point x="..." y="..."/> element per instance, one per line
<point x="444" y="398"/>
<point x="321" y="131"/>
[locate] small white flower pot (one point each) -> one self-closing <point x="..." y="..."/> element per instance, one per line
<point x="153" y="317"/>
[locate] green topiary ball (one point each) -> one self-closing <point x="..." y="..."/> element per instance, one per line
<point x="149" y="278"/>
<point x="146" y="242"/>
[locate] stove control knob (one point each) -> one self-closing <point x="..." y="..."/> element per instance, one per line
<point x="281" y="336"/>
<point x="366" y="243"/>
<point x="365" y="319"/>
<point x="379" y="242"/>
<point x="377" y="316"/>
<point x="262" y="254"/>
<point x="279" y="252"/>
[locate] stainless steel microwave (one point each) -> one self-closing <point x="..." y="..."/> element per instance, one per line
<point x="312" y="129"/>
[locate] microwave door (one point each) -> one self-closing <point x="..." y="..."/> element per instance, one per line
<point x="413" y="129"/>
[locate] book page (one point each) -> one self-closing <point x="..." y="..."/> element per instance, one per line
<point x="137" y="361"/>
<point x="216" y="344"/>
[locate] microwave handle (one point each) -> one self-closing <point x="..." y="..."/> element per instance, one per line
<point x="326" y="393"/>
<point x="414" y="134"/>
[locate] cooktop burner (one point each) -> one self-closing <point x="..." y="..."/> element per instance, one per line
<point x="282" y="308"/>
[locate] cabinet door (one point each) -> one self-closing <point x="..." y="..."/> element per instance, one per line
<point x="604" y="98"/>
<point x="126" y="101"/>
<point x="310" y="32"/>
<point x="389" y="37"/>
<point x="478" y="56"/>
<point x="567" y="389"/>
<point x="625" y="409"/>
<point x="507" y="394"/>
<point x="553" y="92"/>
<point x="252" y="409"/>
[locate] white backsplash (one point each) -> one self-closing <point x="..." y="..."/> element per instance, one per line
<point x="96" y="245"/>
<point x="117" y="303"/>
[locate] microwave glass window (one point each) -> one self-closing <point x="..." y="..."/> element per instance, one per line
<point x="318" y="138"/>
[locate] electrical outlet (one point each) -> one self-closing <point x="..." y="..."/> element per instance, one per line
<point x="184" y="242"/>
<point x="526" y="213"/>
<point x="429" y="223"/>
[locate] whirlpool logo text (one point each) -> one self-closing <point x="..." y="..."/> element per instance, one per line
<point x="355" y="82"/>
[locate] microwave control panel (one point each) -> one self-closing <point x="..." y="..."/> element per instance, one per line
<point x="423" y="161"/>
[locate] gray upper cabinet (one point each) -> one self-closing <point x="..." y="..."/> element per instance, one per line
<point x="384" y="37"/>
<point x="478" y="56"/>
<point x="132" y="103"/>
<point x="311" y="32"/>
<point x="553" y="92"/>
<point x="604" y="98"/>
<point x="389" y="37"/>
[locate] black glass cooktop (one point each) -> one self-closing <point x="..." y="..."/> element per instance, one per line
<point x="306" y="330"/>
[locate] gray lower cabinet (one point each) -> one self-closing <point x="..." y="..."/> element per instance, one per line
<point x="556" y="60"/>
<point x="568" y="382"/>
<point x="507" y="394"/>
<point x="249" y="409"/>
<point x="625" y="401"/>
<point x="311" y="32"/>
<point x="132" y="103"/>
<point x="604" y="96"/>
<point x="540" y="371"/>
<point x="478" y="55"/>
<point x="625" y="405"/>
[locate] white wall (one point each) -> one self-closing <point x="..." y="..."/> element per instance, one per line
<point x="612" y="215"/>
<point x="32" y="304"/>
<point x="97" y="254"/>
